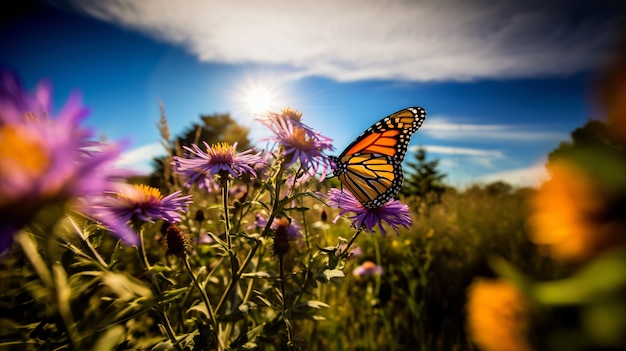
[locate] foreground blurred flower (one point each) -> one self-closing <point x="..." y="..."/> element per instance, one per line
<point x="45" y="160"/>
<point x="497" y="316"/>
<point x="300" y="143"/>
<point x="220" y="160"/>
<point x="144" y="204"/>
<point x="367" y="269"/>
<point x="394" y="213"/>
<point x="580" y="212"/>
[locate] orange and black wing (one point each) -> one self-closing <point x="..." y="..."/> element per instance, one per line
<point x="371" y="166"/>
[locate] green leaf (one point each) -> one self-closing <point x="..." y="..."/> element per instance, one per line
<point x="329" y="274"/>
<point x="199" y="308"/>
<point x="598" y="279"/>
<point x="317" y="304"/>
<point x="241" y="311"/>
<point x="169" y="295"/>
<point x="110" y="338"/>
<point x="327" y="249"/>
<point x="159" y="267"/>
<point x="256" y="275"/>
<point x="125" y="286"/>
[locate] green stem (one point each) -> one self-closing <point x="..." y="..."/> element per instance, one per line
<point x="270" y="219"/>
<point x="146" y="266"/>
<point x="226" y="214"/>
<point x="236" y="277"/>
<point x="282" y="290"/>
<point x="345" y="251"/>
<point x="168" y="329"/>
<point x="142" y="251"/>
<point x="205" y="297"/>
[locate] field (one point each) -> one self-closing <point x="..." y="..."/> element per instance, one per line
<point x="229" y="247"/>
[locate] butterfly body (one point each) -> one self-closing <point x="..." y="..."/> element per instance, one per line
<point x="371" y="166"/>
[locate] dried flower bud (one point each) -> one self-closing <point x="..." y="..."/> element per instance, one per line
<point x="176" y="241"/>
<point x="200" y="216"/>
<point x="281" y="240"/>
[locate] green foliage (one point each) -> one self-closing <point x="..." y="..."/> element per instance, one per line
<point x="423" y="180"/>
<point x="595" y="134"/>
<point x="68" y="284"/>
<point x="419" y="301"/>
<point x="212" y="129"/>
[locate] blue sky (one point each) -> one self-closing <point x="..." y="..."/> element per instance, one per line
<point x="502" y="82"/>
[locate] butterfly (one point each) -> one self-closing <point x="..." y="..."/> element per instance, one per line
<point x="371" y="166"/>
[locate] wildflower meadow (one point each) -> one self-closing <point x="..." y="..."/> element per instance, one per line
<point x="232" y="244"/>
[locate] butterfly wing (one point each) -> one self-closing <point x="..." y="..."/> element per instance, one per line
<point x="371" y="166"/>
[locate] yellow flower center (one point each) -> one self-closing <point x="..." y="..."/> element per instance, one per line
<point x="140" y="193"/>
<point x="222" y="148"/>
<point x="292" y="114"/>
<point x="21" y="155"/>
<point x="222" y="153"/>
<point x="300" y="140"/>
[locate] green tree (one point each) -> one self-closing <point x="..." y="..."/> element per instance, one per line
<point x="212" y="129"/>
<point x="594" y="134"/>
<point x="423" y="180"/>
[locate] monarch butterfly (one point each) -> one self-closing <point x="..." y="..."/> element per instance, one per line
<point x="371" y="166"/>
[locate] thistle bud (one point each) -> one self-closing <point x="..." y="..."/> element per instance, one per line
<point x="281" y="241"/>
<point x="200" y="216"/>
<point x="176" y="241"/>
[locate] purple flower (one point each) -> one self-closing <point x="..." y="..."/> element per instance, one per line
<point x="394" y="213"/>
<point x="367" y="269"/>
<point x="219" y="160"/>
<point x="136" y="203"/>
<point x="292" y="228"/>
<point x="46" y="160"/>
<point x="145" y="204"/>
<point x="300" y="143"/>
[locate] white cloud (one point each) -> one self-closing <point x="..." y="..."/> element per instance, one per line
<point x="370" y="39"/>
<point x="443" y="128"/>
<point x="140" y="158"/>
<point x="451" y="150"/>
<point x="480" y="157"/>
<point x="531" y="176"/>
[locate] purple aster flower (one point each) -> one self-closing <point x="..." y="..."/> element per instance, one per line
<point x="394" y="213"/>
<point x="46" y="160"/>
<point x="300" y="143"/>
<point x="145" y="204"/>
<point x="293" y="229"/>
<point x="220" y="160"/>
<point x="367" y="269"/>
<point x="136" y="203"/>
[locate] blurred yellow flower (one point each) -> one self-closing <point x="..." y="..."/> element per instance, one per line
<point x="497" y="316"/>
<point x="571" y="219"/>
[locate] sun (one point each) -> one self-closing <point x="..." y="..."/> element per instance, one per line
<point x="259" y="100"/>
